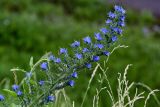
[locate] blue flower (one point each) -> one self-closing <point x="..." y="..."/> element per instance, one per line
<point x="122" y="18"/>
<point x="19" y="93"/>
<point x="78" y="56"/>
<point x="85" y="50"/>
<point x="28" y="74"/>
<point x="63" y="51"/>
<point x="106" y="53"/>
<point x="75" y="44"/>
<point x="112" y="15"/>
<point x="88" y="65"/>
<point x="15" y="87"/>
<point x="71" y="83"/>
<point x="1" y="97"/>
<point x="95" y="58"/>
<point x="119" y="9"/>
<point x="44" y="66"/>
<point x="74" y="75"/>
<point x="87" y="40"/>
<point x="100" y="46"/>
<point x="98" y="36"/>
<point x="121" y="23"/>
<point x="117" y="30"/>
<point x="114" y="38"/>
<point x="108" y="21"/>
<point x="51" y="58"/>
<point x="41" y="82"/>
<point x="57" y="60"/>
<point x="104" y="30"/>
<point x="50" y="98"/>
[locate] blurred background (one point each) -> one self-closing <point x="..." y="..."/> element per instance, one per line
<point x="34" y="27"/>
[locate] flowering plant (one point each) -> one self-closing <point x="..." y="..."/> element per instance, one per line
<point x="60" y="71"/>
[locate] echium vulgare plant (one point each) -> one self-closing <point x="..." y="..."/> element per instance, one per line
<point x="60" y="71"/>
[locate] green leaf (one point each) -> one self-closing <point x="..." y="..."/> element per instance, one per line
<point x="14" y="105"/>
<point x="12" y="93"/>
<point x="33" y="82"/>
<point x="31" y="62"/>
<point x="17" y="69"/>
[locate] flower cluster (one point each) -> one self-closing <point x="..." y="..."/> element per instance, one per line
<point x="17" y="90"/>
<point x="62" y="70"/>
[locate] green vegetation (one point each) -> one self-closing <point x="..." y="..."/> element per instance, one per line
<point x="34" y="27"/>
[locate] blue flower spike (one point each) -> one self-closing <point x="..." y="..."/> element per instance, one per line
<point x="80" y="58"/>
